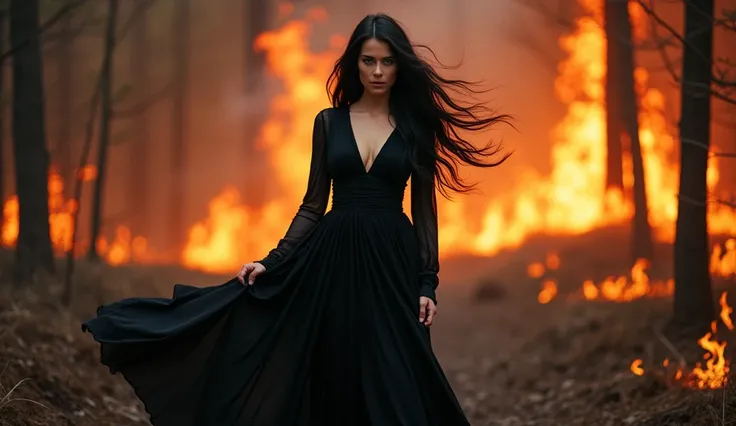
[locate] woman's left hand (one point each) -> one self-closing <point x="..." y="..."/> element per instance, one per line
<point x="427" y="310"/>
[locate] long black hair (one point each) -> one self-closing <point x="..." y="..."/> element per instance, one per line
<point x="421" y="105"/>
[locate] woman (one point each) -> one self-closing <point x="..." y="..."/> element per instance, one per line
<point x="332" y="328"/>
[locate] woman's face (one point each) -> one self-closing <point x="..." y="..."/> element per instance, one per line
<point x="377" y="67"/>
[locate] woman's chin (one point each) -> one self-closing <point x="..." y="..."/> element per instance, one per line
<point x="377" y="91"/>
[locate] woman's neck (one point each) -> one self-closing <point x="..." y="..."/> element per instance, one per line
<point x="373" y="105"/>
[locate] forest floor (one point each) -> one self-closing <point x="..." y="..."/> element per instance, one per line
<point x="511" y="360"/>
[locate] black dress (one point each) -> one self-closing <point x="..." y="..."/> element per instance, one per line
<point x="329" y="335"/>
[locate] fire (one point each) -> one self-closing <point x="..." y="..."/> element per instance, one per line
<point x="615" y="289"/>
<point x="548" y="292"/>
<point x="625" y="289"/>
<point x="723" y="259"/>
<point x="537" y="269"/>
<point x="233" y="233"/>
<point x="61" y="212"/>
<point x="726" y="311"/>
<point x="636" y="367"/>
<point x="122" y="249"/>
<point x="714" y="374"/>
<point x="549" y="285"/>
<point x="571" y="200"/>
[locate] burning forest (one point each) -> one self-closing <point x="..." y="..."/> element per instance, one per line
<point x="589" y="281"/>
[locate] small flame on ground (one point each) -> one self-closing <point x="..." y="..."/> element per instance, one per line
<point x="626" y="289"/>
<point x="548" y="292"/>
<point x="714" y="374"/>
<point x="636" y="367"/>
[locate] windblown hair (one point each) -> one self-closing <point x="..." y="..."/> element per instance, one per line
<point x="421" y="106"/>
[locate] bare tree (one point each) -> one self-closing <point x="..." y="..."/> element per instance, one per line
<point x="33" y="248"/>
<point x="3" y="28"/>
<point x="139" y="161"/>
<point x="693" y="299"/>
<point x="702" y="80"/>
<point x="20" y="44"/>
<point x="621" y="108"/>
<point x="616" y="36"/>
<point x="65" y="95"/>
<point x="618" y="28"/>
<point x="179" y="132"/>
<point x="722" y="87"/>
<point x="106" y="101"/>
<point x="256" y="15"/>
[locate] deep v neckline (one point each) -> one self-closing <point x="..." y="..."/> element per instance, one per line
<point x="357" y="147"/>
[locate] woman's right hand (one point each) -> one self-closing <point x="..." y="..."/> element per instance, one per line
<point x="251" y="270"/>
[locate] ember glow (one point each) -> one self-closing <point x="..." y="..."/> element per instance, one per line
<point x="713" y="371"/>
<point x="625" y="289"/>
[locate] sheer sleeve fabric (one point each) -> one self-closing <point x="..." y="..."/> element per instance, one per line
<point x="315" y="200"/>
<point x="424" y="218"/>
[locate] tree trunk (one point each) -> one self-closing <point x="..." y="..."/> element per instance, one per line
<point x="641" y="232"/>
<point x="139" y="161"/>
<point x="256" y="15"/>
<point x="64" y="104"/>
<point x="3" y="27"/>
<point x="33" y="248"/>
<point x="623" y="120"/>
<point x="693" y="299"/>
<point x="255" y="22"/>
<point x="179" y="131"/>
<point x="106" y="83"/>
<point x="614" y="119"/>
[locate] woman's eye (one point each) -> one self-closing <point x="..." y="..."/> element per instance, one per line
<point x="367" y="61"/>
<point x="388" y="61"/>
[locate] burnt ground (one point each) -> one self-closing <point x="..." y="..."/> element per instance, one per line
<point x="511" y="360"/>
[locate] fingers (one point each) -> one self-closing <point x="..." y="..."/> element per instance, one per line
<point x="422" y="308"/>
<point x="432" y="312"/>
<point x="243" y="272"/>
<point x="427" y="311"/>
<point x="253" y="274"/>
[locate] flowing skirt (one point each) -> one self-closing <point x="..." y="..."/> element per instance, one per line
<point x="330" y="336"/>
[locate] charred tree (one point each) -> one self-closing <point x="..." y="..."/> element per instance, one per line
<point x="614" y="119"/>
<point x="255" y="22"/>
<point x="3" y="27"/>
<point x="256" y="15"/>
<point x="65" y="95"/>
<point x="139" y="160"/>
<point x="33" y="248"/>
<point x="619" y="28"/>
<point x="179" y="133"/>
<point x="106" y="104"/>
<point x="693" y="299"/>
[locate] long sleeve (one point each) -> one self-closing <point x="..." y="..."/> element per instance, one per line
<point x="424" y="217"/>
<point x="315" y="200"/>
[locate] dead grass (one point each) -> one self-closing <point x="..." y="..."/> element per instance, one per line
<point x="51" y="373"/>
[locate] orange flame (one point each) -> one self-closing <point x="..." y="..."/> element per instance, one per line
<point x="61" y="212"/>
<point x="723" y="259"/>
<point x="233" y="233"/>
<point x="548" y="292"/>
<point x="122" y="249"/>
<point x="715" y="373"/>
<point x="623" y="289"/>
<point x="726" y="311"/>
<point x="571" y="200"/>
